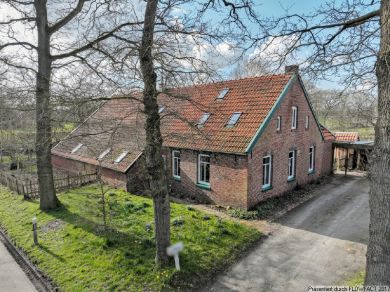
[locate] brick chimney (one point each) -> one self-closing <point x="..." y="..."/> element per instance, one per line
<point x="292" y="69"/>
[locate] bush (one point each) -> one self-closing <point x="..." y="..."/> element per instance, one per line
<point x="242" y="214"/>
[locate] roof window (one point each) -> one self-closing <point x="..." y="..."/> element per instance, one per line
<point x="161" y="109"/>
<point x="233" y="119"/>
<point x="222" y="93"/>
<point x="77" y="148"/>
<point x="120" y="157"/>
<point x="104" y="153"/>
<point x="203" y="119"/>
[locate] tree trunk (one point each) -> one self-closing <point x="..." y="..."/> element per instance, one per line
<point x="48" y="198"/>
<point x="154" y="160"/>
<point x="378" y="252"/>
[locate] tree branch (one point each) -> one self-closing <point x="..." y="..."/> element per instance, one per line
<point x="90" y="45"/>
<point x="55" y="27"/>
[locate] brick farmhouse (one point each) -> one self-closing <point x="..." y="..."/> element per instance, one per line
<point x="234" y="143"/>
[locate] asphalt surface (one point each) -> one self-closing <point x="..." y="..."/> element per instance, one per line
<point x="12" y="277"/>
<point x="322" y="242"/>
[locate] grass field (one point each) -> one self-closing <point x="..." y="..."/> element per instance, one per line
<point x="357" y="280"/>
<point x="79" y="254"/>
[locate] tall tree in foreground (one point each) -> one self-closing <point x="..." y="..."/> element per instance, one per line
<point x="154" y="160"/>
<point x="378" y="252"/>
<point x="170" y="49"/>
<point x="352" y="40"/>
<point x="47" y="52"/>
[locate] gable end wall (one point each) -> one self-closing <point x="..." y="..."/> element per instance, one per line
<point x="280" y="143"/>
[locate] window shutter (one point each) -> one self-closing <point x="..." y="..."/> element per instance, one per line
<point x="295" y="162"/>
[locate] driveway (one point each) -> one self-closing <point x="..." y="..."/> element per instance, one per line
<point x="12" y="277"/>
<point x="321" y="242"/>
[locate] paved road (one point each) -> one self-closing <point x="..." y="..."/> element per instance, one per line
<point x="12" y="277"/>
<point x="322" y="242"/>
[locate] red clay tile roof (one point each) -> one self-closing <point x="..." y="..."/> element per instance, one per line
<point x="253" y="97"/>
<point x="328" y="136"/>
<point x="119" y="123"/>
<point x="346" y="136"/>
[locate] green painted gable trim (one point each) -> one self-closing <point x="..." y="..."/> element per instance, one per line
<point x="268" y="118"/>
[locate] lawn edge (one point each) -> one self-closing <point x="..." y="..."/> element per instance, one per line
<point x="40" y="281"/>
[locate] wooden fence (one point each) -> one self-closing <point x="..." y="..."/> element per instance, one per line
<point x="29" y="187"/>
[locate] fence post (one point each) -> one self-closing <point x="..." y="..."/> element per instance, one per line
<point x="17" y="187"/>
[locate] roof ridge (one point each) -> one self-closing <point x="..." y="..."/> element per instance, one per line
<point x="232" y="80"/>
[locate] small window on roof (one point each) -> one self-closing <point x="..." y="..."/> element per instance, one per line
<point x="77" y="148"/>
<point x="233" y="119"/>
<point x="222" y="93"/>
<point x="203" y="119"/>
<point x="161" y="109"/>
<point x="120" y="157"/>
<point x="104" y="154"/>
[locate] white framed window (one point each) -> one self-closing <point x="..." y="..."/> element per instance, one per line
<point x="307" y="122"/>
<point x="294" y="117"/>
<point x="278" y="123"/>
<point x="176" y="163"/>
<point x="233" y="119"/>
<point x="77" y="148"/>
<point x="291" y="164"/>
<point x="312" y="157"/>
<point x="267" y="171"/>
<point x="121" y="157"/>
<point x="204" y="169"/>
<point x="222" y="93"/>
<point x="203" y="119"/>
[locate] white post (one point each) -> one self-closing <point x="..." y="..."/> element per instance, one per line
<point x="174" y="251"/>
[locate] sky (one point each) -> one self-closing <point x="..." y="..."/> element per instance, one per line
<point x="264" y="8"/>
<point x="274" y="8"/>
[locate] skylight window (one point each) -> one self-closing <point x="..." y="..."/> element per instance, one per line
<point x="234" y="119"/>
<point x="161" y="109"/>
<point x="104" y="154"/>
<point x="203" y="119"/>
<point x="77" y="148"/>
<point x="120" y="157"/>
<point x="222" y="93"/>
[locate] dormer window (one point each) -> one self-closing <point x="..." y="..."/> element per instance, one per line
<point x="161" y="109"/>
<point x="104" y="154"/>
<point x="121" y="157"/>
<point x="203" y="119"/>
<point x="233" y="119"/>
<point x="222" y="93"/>
<point x="77" y="148"/>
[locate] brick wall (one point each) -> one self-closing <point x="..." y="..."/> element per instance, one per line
<point x="280" y="143"/>
<point x="111" y="177"/>
<point x="228" y="173"/>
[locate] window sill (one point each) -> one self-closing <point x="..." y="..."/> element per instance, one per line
<point x="291" y="179"/>
<point x="177" y="178"/>
<point x="266" y="188"/>
<point x="203" y="186"/>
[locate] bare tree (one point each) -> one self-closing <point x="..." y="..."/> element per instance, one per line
<point x="352" y="40"/>
<point x="35" y="15"/>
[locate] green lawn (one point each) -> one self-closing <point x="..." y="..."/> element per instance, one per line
<point x="357" y="279"/>
<point x="79" y="255"/>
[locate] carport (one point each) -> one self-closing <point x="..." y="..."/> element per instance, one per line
<point x="361" y="151"/>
